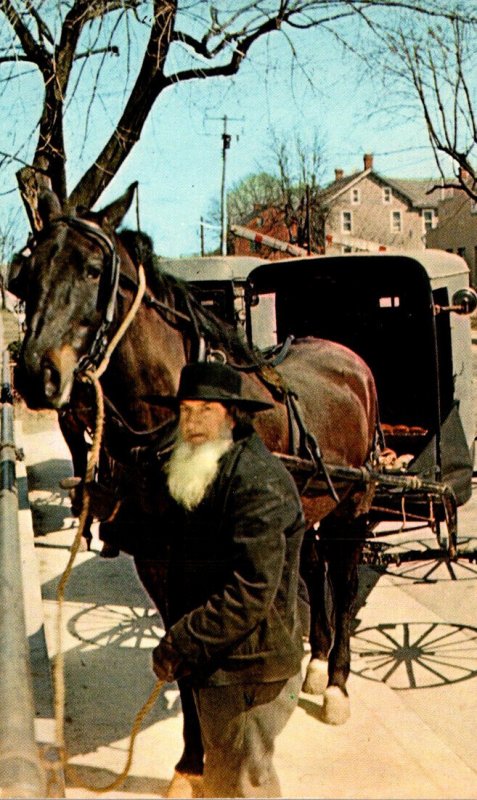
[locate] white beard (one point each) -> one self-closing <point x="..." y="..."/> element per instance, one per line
<point x="191" y="470"/>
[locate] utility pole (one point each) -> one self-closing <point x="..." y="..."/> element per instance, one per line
<point x="308" y="220"/>
<point x="226" y="139"/>
<point x="226" y="142"/>
<point x="202" y="248"/>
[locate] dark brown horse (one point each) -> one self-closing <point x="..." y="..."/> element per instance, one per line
<point x="81" y="280"/>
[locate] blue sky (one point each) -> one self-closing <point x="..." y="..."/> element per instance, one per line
<point x="178" y="160"/>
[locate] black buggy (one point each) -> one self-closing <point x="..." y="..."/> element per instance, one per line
<point x="408" y="316"/>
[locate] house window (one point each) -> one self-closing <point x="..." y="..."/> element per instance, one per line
<point x="355" y="196"/>
<point x="461" y="251"/>
<point x="346" y="221"/>
<point x="387" y="194"/>
<point x="428" y="219"/>
<point x="396" y="222"/>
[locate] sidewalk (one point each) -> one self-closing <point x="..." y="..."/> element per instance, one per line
<point x="413" y="686"/>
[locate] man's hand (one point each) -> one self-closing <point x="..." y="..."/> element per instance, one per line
<point x="167" y="662"/>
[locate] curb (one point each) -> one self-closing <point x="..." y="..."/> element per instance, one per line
<point x="44" y="723"/>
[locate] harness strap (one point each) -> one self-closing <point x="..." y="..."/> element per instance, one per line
<point x="278" y="354"/>
<point x="293" y="430"/>
<point x="311" y="445"/>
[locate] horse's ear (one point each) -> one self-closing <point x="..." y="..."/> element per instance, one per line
<point x="114" y="213"/>
<point x="48" y="206"/>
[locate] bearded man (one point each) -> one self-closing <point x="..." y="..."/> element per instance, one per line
<point x="230" y="594"/>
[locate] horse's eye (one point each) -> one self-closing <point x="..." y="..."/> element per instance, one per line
<point x="93" y="271"/>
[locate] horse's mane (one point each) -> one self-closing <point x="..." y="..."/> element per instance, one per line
<point x="219" y="333"/>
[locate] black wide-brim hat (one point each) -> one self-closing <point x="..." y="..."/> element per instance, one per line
<point x="212" y="381"/>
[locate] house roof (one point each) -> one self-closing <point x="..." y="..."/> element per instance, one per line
<point x="339" y="186"/>
<point x="417" y="190"/>
<point x="412" y="189"/>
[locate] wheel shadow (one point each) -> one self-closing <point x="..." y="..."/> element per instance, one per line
<point x="50" y="505"/>
<point x="110" y="627"/>
<point x="413" y="655"/>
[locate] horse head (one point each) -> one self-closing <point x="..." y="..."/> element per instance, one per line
<point x="68" y="278"/>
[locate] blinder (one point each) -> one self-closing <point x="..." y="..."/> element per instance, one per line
<point x="109" y="281"/>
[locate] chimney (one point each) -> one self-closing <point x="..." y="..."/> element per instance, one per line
<point x="338" y="174"/>
<point x="368" y="160"/>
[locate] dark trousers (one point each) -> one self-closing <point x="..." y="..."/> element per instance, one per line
<point x="239" y="725"/>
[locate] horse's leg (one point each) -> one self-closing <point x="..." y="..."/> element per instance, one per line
<point x="73" y="435"/>
<point x="342" y="542"/>
<point x="187" y="780"/>
<point x="313" y="570"/>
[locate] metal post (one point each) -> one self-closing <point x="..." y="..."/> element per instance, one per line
<point x="226" y="138"/>
<point x="308" y="221"/>
<point x="21" y="773"/>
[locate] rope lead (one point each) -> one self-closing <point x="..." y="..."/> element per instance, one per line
<point x="93" y="377"/>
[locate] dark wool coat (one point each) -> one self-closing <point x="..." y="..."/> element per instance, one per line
<point x="232" y="594"/>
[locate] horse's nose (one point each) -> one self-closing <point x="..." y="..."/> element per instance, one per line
<point x="57" y="375"/>
<point x="51" y="381"/>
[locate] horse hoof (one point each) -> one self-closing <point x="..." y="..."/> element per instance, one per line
<point x="84" y="545"/>
<point x="184" y="784"/>
<point x="316" y="679"/>
<point x="109" y="550"/>
<point x="336" y="706"/>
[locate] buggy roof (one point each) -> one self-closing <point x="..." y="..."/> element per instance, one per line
<point x="210" y="268"/>
<point x="438" y="265"/>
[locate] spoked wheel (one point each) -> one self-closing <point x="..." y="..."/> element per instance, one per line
<point x="415" y="655"/>
<point x="122" y="626"/>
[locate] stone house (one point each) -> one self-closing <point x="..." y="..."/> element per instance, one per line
<point x="456" y="230"/>
<point x="363" y="211"/>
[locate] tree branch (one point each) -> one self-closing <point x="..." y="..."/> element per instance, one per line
<point x="149" y="84"/>
<point x="32" y="49"/>
<point x="240" y="52"/>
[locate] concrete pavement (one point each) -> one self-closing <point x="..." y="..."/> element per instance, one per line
<point x="413" y="683"/>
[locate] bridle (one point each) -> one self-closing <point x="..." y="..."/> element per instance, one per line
<point x="111" y="278"/>
<point x="108" y="288"/>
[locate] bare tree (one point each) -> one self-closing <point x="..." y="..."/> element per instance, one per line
<point x="435" y="68"/>
<point x="182" y="41"/>
<point x="289" y="191"/>
<point x="301" y="167"/>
